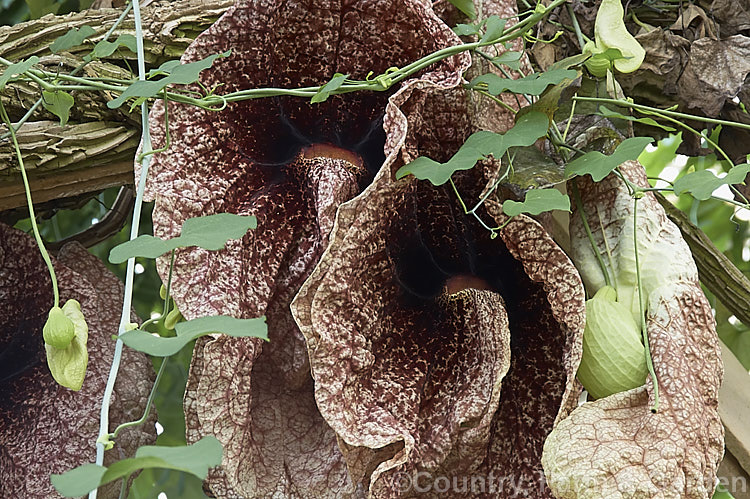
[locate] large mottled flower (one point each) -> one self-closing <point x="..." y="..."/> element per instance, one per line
<point x="615" y="446"/>
<point x="290" y="164"/>
<point x="45" y="428"/>
<point x="440" y="355"/>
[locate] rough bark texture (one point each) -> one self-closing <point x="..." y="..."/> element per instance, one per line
<point x="94" y="150"/>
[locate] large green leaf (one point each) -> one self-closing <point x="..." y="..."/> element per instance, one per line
<point x="478" y="146"/>
<point x="58" y="103"/>
<point x="210" y="232"/>
<point x="189" y="330"/>
<point x="465" y="6"/>
<point x="73" y="38"/>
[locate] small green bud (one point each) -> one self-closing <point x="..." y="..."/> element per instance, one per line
<point x="59" y="330"/>
<point x="614" y="358"/>
<point x="163" y="292"/>
<point x="173" y="317"/>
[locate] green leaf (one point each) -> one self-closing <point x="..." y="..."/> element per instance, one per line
<point x="466" y="29"/>
<point x="195" y="459"/>
<point x="533" y="84"/>
<point x="325" y="91"/>
<point x="703" y="183"/>
<point x="210" y="232"/>
<point x="105" y="48"/>
<point x="58" y="103"/>
<point x="16" y="69"/>
<point x="538" y="201"/>
<point x="478" y="146"/>
<point x="78" y="481"/>
<point x="599" y="165"/>
<point x="511" y="59"/>
<point x="213" y="231"/>
<point x="608" y="113"/>
<point x="493" y="28"/>
<point x="177" y="74"/>
<point x="72" y="38"/>
<point x="189" y="330"/>
<point x="145" y="246"/>
<point x="465" y="6"/>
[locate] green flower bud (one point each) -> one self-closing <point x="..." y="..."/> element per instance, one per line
<point x="59" y="330"/>
<point x="614" y="358"/>
<point x="68" y="365"/>
<point x="163" y="292"/>
<point x="173" y="317"/>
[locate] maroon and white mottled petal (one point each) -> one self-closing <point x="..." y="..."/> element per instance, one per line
<point x="258" y="157"/>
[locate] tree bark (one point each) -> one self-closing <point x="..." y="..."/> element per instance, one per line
<point x="95" y="150"/>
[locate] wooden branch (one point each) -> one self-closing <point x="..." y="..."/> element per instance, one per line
<point x="95" y="150"/>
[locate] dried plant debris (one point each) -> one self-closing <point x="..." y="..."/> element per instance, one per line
<point x="615" y="446"/>
<point x="45" y="428"/>
<point x="290" y="164"/>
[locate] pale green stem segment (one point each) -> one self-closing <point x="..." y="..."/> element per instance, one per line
<point x="129" y="273"/>
<point x="30" y="204"/>
<point x="644" y="331"/>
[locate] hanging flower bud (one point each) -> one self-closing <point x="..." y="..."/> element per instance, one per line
<point x="59" y="330"/>
<point x="68" y="365"/>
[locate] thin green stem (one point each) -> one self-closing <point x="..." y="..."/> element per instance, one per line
<point x="587" y="228"/>
<point x="30" y="203"/>
<point x="497" y="100"/>
<point x="129" y="273"/>
<point x="664" y="112"/>
<point x="150" y="401"/>
<point x="576" y="26"/>
<point x="642" y="306"/>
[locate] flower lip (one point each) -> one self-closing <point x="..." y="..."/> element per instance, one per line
<point x="327" y="150"/>
<point x="287" y="133"/>
<point x="460" y="282"/>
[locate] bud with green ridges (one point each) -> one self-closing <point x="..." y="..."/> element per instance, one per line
<point x="614" y="358"/>
<point x="163" y="292"/>
<point x="59" y="330"/>
<point x="68" y="365"/>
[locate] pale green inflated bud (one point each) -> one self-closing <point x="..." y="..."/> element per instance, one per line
<point x="59" y="330"/>
<point x="68" y="365"/>
<point x="614" y="358"/>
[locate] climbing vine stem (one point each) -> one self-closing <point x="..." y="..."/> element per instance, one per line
<point x="29" y="202"/>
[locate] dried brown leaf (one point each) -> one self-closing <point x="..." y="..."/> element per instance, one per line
<point x="715" y="73"/>
<point x="615" y="446"/>
<point x="45" y="428"/>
